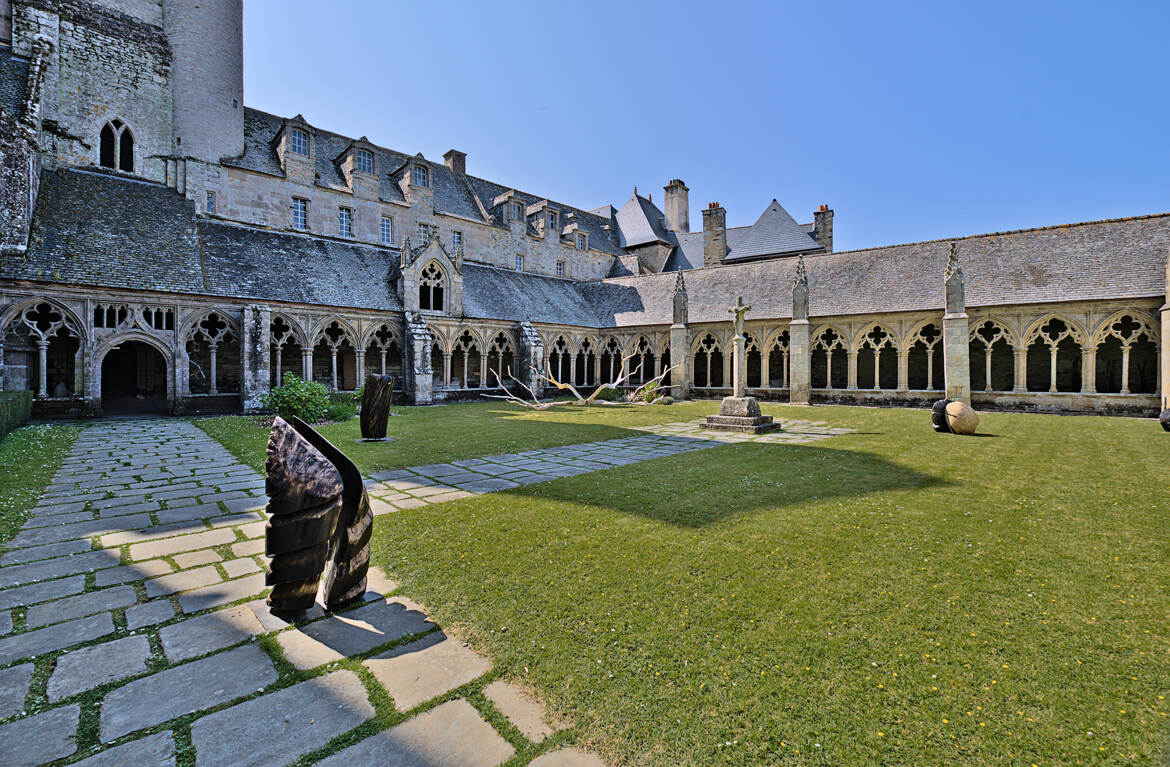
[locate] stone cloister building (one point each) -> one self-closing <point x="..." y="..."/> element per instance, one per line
<point x="163" y="247"/>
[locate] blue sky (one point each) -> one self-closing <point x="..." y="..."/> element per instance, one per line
<point x="913" y="121"/>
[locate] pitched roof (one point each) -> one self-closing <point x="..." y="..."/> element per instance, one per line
<point x="1114" y="259"/>
<point x="640" y="222"/>
<point x="774" y="233"/>
<point x="13" y="82"/>
<point x="93" y="228"/>
<point x="504" y="294"/>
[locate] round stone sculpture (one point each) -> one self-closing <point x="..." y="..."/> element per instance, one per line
<point x="949" y="416"/>
<point x="1165" y="419"/>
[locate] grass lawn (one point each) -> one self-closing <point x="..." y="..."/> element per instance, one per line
<point x="28" y="458"/>
<point x="891" y="597"/>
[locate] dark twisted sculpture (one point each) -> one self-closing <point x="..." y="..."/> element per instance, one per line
<point x="319" y="520"/>
<point x="376" y="405"/>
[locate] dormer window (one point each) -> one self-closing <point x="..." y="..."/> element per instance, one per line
<point x="364" y="161"/>
<point x="552" y="219"/>
<point x="456" y="240"/>
<point x="117" y="147"/>
<point x="517" y="212"/>
<point x="298" y="142"/>
<point x="420" y="175"/>
<point x="582" y="241"/>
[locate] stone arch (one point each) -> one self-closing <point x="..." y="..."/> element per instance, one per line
<point x="1125" y="354"/>
<point x="755" y="358"/>
<point x="434" y="287"/>
<point x="466" y="356"/>
<point x="558" y="357"/>
<point x="777" y="348"/>
<point x="641" y="364"/>
<point x="211" y="341"/>
<point x="924" y="356"/>
<point x="117" y="147"/>
<point x="501" y="358"/>
<point x="104" y="390"/>
<point x="382" y="349"/>
<point x="287" y="344"/>
<point x="587" y="361"/>
<point x="1055" y="345"/>
<point x="612" y="351"/>
<point x="829" y="358"/>
<point x="877" y="348"/>
<point x="42" y="348"/>
<point x="992" y="348"/>
<point x="707" y="353"/>
<point x="335" y="352"/>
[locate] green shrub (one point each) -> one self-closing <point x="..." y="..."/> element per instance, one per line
<point x="651" y="392"/>
<point x="340" y="411"/>
<point x="307" y="400"/>
<point x="610" y="394"/>
<point x="15" y="409"/>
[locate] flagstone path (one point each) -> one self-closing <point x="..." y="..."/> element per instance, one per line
<point x="133" y="629"/>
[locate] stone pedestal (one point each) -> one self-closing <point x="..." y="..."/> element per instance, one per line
<point x="680" y="360"/>
<point x="956" y="357"/>
<point x="799" y="363"/>
<point x="741" y="414"/>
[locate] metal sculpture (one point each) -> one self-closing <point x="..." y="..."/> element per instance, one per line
<point x="952" y="416"/>
<point x="376" y="396"/>
<point x="319" y="524"/>
<point x="1164" y="418"/>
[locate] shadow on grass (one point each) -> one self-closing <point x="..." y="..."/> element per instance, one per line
<point x="708" y="487"/>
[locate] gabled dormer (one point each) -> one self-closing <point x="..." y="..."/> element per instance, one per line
<point x="575" y="235"/>
<point x="358" y="164"/>
<point x="510" y="210"/>
<point x="546" y="220"/>
<point x="429" y="279"/>
<point x="417" y="183"/>
<point x="294" y="146"/>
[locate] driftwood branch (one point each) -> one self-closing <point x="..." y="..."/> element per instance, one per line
<point x="635" y="397"/>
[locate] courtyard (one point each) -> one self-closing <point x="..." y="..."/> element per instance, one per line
<point x="607" y="583"/>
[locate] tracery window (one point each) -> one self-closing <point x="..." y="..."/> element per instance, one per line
<point x="924" y="360"/>
<point x="158" y="319"/>
<point x="828" y="366"/>
<point x="586" y="363"/>
<point x="778" y="361"/>
<point x="383" y="353"/>
<point x="465" y="362"/>
<point x="559" y="359"/>
<point x="1054" y="358"/>
<point x="117" y="146"/>
<point x="50" y="343"/>
<point x="110" y="315"/>
<point x="709" y="362"/>
<point x="213" y="356"/>
<point x="430" y="288"/>
<point x="500" y="360"/>
<point x="1127" y="357"/>
<point x="877" y="360"/>
<point x="993" y="365"/>
<point x="753" y="359"/>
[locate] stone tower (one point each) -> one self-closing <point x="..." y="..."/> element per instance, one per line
<point x="677" y="206"/>
<point x="207" y="80"/>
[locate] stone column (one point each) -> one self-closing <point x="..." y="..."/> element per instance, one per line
<point x="1089" y="370"/>
<point x="416" y="361"/>
<point x="903" y="370"/>
<point x="1164" y="348"/>
<point x="256" y="372"/>
<point x="929" y="370"/>
<point x="739" y="373"/>
<point x="680" y="360"/>
<point x="359" y="367"/>
<point x="307" y="364"/>
<point x="851" y="377"/>
<point x="1020" y="374"/>
<point x="213" y="378"/>
<point x="333" y="365"/>
<point x="799" y="363"/>
<point x="956" y="332"/>
<point x="531" y="357"/>
<point x="43" y="372"/>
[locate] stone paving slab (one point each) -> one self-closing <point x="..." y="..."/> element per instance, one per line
<point x="136" y="572"/>
<point x="185" y="689"/>
<point x="34" y="553"/>
<point x="425" y="669"/>
<point x="80" y="605"/>
<point x="352" y="633"/>
<point x="525" y="714"/>
<point x="451" y="734"/>
<point x="156" y="750"/>
<point x="55" y="637"/>
<point x="91" y="667"/>
<point x="14" y="682"/>
<point x="213" y="631"/>
<point x="148" y="614"/>
<point x="5" y="622"/>
<point x="56" y="568"/>
<point x="567" y="757"/>
<point x="184" y="580"/>
<point x="222" y="593"/>
<point x="276" y="728"/>
<point x="40" y="592"/>
<point x="39" y="739"/>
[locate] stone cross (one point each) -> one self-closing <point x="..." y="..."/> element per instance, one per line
<point x="739" y="310"/>
<point x="739" y="368"/>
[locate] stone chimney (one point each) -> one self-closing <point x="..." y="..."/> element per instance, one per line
<point x="714" y="234"/>
<point x="677" y="206"/>
<point x="823" y="227"/>
<point x="457" y="162"/>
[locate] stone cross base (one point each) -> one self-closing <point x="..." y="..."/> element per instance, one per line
<point x="740" y="414"/>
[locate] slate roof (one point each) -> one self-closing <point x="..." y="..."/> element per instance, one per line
<point x="454" y="195"/>
<point x="1115" y="259"/>
<point x="641" y="222"/>
<point x="13" y="82"/>
<point x="94" y="228"/>
<point x="774" y="233"/>
<point x="503" y="294"/>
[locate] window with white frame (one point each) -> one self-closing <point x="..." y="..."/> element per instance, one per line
<point x="582" y="241"/>
<point x="298" y="141"/>
<point x="560" y="268"/>
<point x="345" y="222"/>
<point x="456" y="240"/>
<point x="210" y="202"/>
<point x="517" y="212"/>
<point x="364" y="162"/>
<point x="387" y="230"/>
<point x="420" y="175"/>
<point x="519" y="262"/>
<point x="424" y="231"/>
<point x="552" y="219"/>
<point x="300" y="213"/>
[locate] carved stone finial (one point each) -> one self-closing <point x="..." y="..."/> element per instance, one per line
<point x="953" y="283"/>
<point x="680" y="299"/>
<point x="680" y="285"/>
<point x="800" y="291"/>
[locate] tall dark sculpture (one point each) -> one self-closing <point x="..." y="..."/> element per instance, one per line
<point x="319" y="520"/>
<point x="376" y="405"/>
